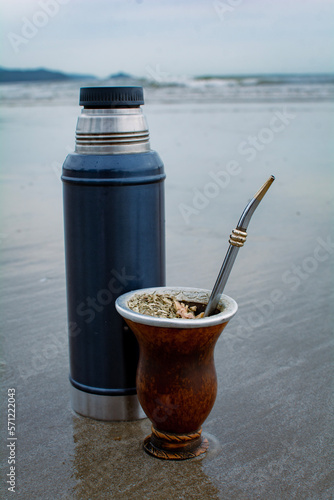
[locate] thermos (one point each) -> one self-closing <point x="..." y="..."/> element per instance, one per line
<point x="113" y="191"/>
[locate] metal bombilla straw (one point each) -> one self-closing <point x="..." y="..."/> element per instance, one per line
<point x="237" y="240"/>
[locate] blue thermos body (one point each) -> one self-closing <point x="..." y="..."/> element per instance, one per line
<point x="113" y="192"/>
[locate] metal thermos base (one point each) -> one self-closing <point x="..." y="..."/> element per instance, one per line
<point x="109" y="408"/>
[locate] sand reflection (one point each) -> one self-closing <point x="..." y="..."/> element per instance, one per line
<point x="109" y="462"/>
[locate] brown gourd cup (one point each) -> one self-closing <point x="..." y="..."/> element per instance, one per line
<point x="176" y="375"/>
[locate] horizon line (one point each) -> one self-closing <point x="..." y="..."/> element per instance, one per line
<point x="125" y="74"/>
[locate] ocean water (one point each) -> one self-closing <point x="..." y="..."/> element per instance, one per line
<point x="260" y="125"/>
<point x="220" y="139"/>
<point x="273" y="88"/>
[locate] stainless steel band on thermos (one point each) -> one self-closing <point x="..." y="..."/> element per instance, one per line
<point x="113" y="189"/>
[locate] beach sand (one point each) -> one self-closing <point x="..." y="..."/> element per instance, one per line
<point x="271" y="426"/>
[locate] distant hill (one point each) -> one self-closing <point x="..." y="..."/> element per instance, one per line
<point x="121" y="75"/>
<point x="37" y="75"/>
<point x="46" y="75"/>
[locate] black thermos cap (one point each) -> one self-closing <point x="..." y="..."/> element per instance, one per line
<point x="111" y="97"/>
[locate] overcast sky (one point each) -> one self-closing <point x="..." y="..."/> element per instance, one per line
<point x="172" y="37"/>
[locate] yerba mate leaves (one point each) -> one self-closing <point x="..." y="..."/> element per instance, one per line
<point x="163" y="306"/>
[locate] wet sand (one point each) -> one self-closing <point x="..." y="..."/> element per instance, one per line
<point x="271" y="427"/>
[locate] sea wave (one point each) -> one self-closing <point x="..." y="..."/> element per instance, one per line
<point x="224" y="89"/>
